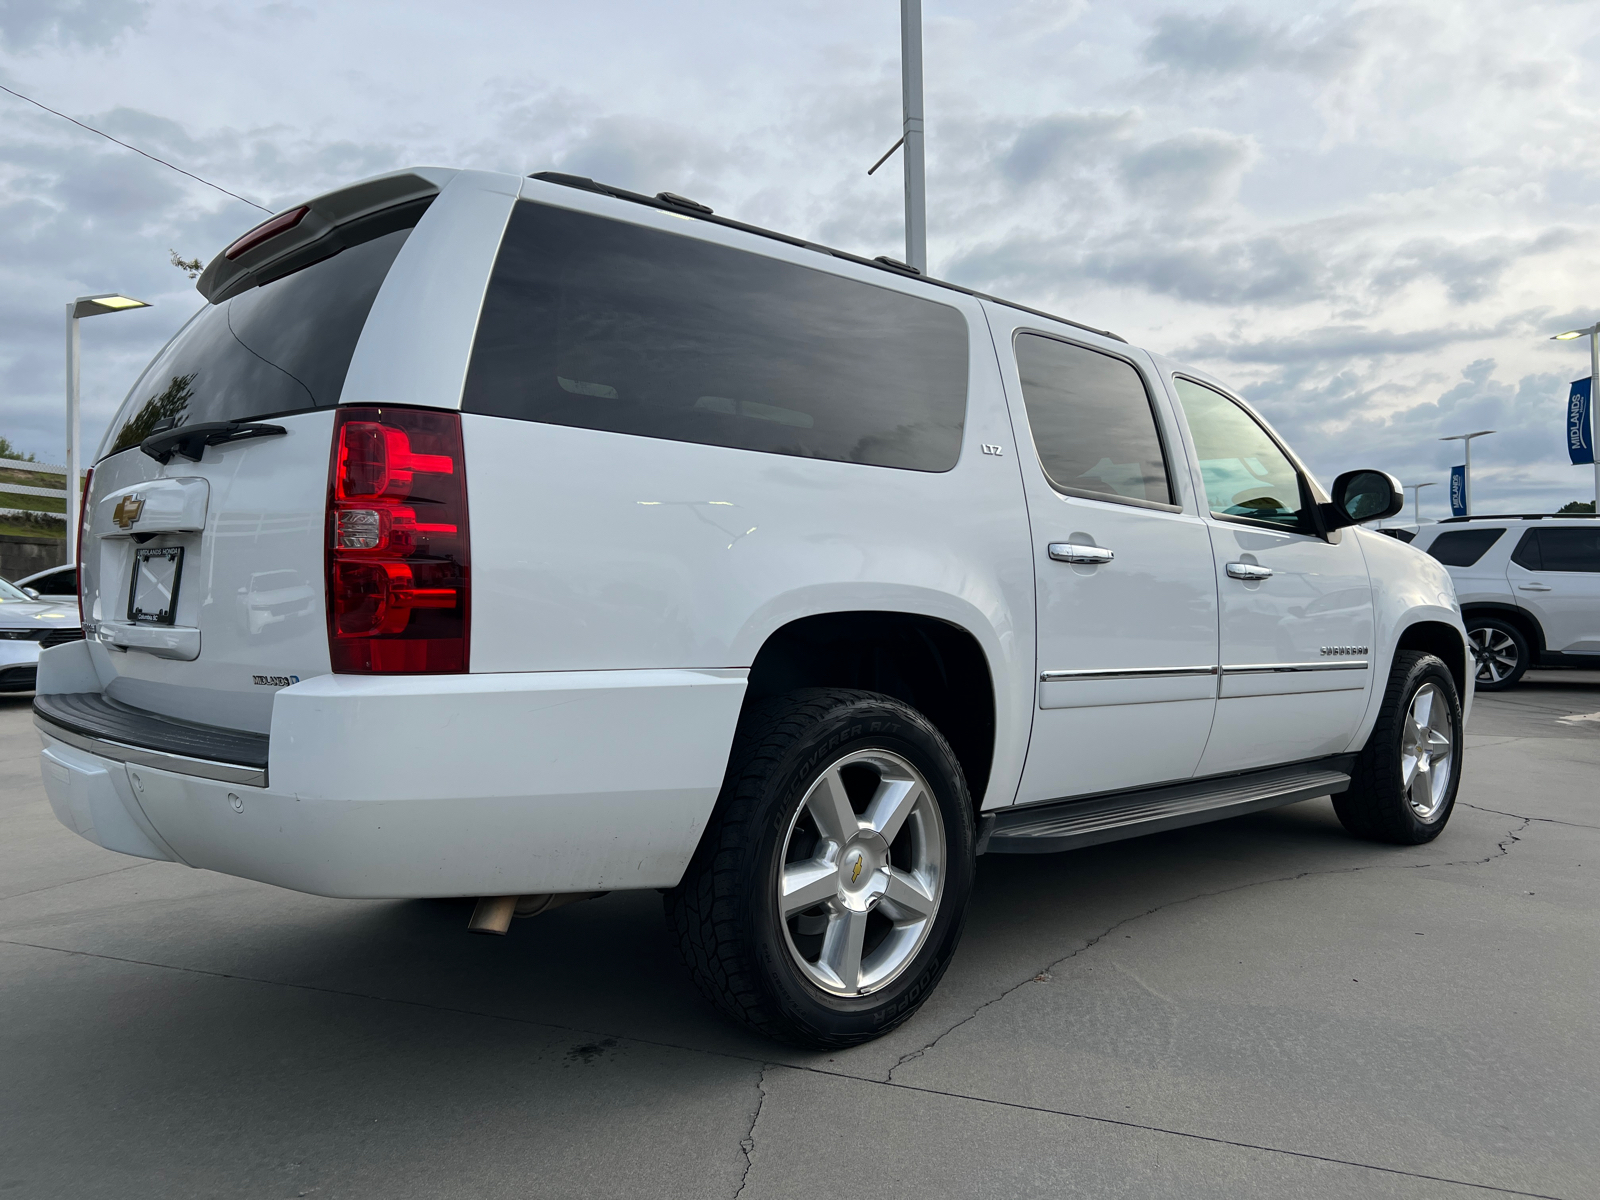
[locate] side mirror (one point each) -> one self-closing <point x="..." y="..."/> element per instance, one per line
<point x="1360" y="496"/>
<point x="32" y="595"/>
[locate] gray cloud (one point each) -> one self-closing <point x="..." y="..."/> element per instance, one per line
<point x="1231" y="43"/>
<point x="32" y="24"/>
<point x="1062" y="142"/>
<point x="1193" y="169"/>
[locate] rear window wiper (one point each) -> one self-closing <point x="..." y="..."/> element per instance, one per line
<point x="191" y="440"/>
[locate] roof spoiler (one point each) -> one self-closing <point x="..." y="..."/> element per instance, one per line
<point x="320" y="228"/>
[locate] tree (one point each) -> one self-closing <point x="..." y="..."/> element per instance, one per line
<point x="7" y="450"/>
<point x="189" y="266"/>
<point x="166" y="405"/>
<point x="1576" y="506"/>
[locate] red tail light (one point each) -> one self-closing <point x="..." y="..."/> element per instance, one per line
<point x="77" y="553"/>
<point x="398" y="564"/>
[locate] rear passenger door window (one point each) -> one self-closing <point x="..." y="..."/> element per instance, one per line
<point x="1570" y="549"/>
<point x="602" y="324"/>
<point x="1463" y="547"/>
<point x="1093" y="427"/>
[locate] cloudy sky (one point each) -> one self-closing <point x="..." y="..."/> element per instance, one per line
<point x="1368" y="217"/>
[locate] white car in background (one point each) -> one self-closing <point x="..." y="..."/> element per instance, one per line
<point x="28" y="623"/>
<point x="523" y="539"/>
<point x="1529" y="588"/>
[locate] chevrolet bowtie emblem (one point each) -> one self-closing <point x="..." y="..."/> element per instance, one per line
<point x="856" y="874"/>
<point x="128" y="510"/>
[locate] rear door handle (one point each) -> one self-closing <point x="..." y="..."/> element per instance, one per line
<point x="1071" y="552"/>
<point x="1532" y="587"/>
<point x="1242" y="570"/>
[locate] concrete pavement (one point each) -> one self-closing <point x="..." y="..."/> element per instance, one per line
<point x="1263" y="1007"/>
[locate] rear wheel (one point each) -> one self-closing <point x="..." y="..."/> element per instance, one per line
<point x="1404" y="784"/>
<point x="1500" y="651"/>
<point x="827" y="896"/>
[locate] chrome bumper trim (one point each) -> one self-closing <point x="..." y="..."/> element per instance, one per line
<point x="162" y="761"/>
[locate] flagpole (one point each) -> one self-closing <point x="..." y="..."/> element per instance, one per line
<point x="1594" y="409"/>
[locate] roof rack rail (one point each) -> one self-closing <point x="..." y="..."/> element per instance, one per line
<point x="668" y="202"/>
<point x="1516" y="517"/>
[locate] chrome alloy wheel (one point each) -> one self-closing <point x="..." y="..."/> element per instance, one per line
<point x="862" y="873"/>
<point x="1427" y="751"/>
<point x="1495" y="651"/>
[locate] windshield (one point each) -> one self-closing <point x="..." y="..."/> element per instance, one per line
<point x="282" y="347"/>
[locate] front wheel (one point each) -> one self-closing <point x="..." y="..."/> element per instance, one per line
<point x="829" y="891"/>
<point x="1404" y="784"/>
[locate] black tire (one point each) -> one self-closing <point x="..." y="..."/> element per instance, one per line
<point x="1378" y="806"/>
<point x="725" y="911"/>
<point x="1492" y="642"/>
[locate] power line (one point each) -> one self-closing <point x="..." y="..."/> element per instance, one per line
<point x="135" y="149"/>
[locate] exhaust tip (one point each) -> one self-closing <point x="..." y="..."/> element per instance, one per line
<point x="493" y="914"/>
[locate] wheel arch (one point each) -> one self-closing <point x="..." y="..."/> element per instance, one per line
<point x="1511" y="615"/>
<point x="934" y="665"/>
<point x="1442" y="640"/>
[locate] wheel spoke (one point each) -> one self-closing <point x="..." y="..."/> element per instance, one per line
<point x="1421" y="786"/>
<point x="806" y="884"/>
<point x="906" y="899"/>
<point x="829" y="806"/>
<point x="892" y="804"/>
<point x="841" y="948"/>
<point x="1421" y="708"/>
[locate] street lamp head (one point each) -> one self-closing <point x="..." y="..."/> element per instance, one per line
<point x="1569" y="335"/>
<point x="1462" y="437"/>
<point x="94" y="306"/>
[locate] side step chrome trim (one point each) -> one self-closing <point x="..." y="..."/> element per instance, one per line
<point x="143" y="757"/>
<point x="1069" y="824"/>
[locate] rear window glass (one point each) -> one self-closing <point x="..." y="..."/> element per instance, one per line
<point x="1463" y="547"/>
<point x="1569" y="549"/>
<point x="282" y="347"/>
<point x="1092" y="422"/>
<point x="599" y="324"/>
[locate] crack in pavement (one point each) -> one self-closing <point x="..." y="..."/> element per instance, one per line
<point x="1500" y="812"/>
<point x="81" y="879"/>
<point x="1502" y="848"/>
<point x="747" y="1144"/>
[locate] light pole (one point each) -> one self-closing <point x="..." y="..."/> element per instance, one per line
<point x="911" y="92"/>
<point x="911" y="136"/>
<point x="83" y="306"/>
<point x="1466" y="470"/>
<point x="1416" y="499"/>
<point x="1593" y="333"/>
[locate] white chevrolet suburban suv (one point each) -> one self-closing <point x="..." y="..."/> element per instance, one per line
<point x="1529" y="588"/>
<point x="524" y="539"/>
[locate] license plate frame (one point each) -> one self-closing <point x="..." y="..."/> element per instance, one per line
<point x="153" y="590"/>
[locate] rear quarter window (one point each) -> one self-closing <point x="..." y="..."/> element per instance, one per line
<point x="1570" y="549"/>
<point x="598" y="324"/>
<point x="1463" y="547"/>
<point x="282" y="347"/>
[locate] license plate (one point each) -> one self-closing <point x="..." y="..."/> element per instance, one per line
<point x="153" y="599"/>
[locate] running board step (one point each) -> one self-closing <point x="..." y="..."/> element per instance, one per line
<point x="1069" y="824"/>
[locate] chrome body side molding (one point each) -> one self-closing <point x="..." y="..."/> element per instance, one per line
<point x="1125" y="673"/>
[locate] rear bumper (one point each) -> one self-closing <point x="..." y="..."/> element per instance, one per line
<point x="410" y="786"/>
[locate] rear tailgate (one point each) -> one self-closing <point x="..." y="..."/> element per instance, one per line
<point x="203" y="581"/>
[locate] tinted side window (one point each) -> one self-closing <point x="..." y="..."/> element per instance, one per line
<point x="1463" y="547"/>
<point x="1570" y="549"/>
<point x="1245" y="473"/>
<point x="599" y="324"/>
<point x="283" y="346"/>
<point x="1092" y="422"/>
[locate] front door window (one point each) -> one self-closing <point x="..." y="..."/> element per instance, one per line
<point x="1246" y="475"/>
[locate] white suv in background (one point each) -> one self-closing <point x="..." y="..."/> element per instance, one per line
<point x="1529" y="588"/>
<point x="524" y="539"/>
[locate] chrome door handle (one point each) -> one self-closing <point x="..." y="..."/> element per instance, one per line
<point x="1071" y="552"/>
<point x="1247" y="571"/>
<point x="1532" y="587"/>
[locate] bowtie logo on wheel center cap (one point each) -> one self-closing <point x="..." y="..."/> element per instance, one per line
<point x="863" y="871"/>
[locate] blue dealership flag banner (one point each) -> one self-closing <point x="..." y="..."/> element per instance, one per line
<point x="1580" y="440"/>
<point x="1458" y="491"/>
